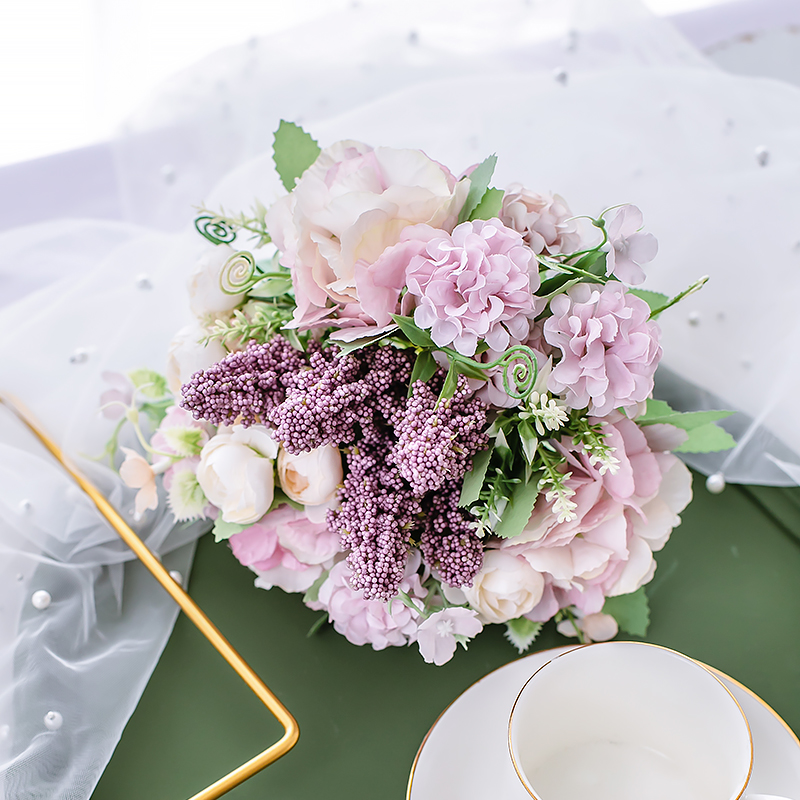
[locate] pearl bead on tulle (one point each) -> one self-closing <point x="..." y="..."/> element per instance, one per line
<point x="715" y="483"/>
<point x="79" y="356"/>
<point x="53" y="720"/>
<point x="41" y="599"/>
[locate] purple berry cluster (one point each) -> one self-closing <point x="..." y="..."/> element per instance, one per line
<point x="436" y="440"/>
<point x="244" y="386"/>
<point x="405" y="456"/>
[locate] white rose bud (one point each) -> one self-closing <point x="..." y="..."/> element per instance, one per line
<point x="186" y="355"/>
<point x="311" y="478"/>
<point x="506" y="587"/>
<point x="206" y="297"/>
<point x="236" y="472"/>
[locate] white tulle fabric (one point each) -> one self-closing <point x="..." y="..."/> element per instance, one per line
<point x="597" y="101"/>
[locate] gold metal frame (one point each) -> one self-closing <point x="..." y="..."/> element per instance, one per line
<point x="189" y="607"/>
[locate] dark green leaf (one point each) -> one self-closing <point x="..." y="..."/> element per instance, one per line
<point x="450" y="383"/>
<point x="519" y="510"/>
<point x="473" y="480"/>
<point x="522" y="633"/>
<point x="317" y="625"/>
<point x="631" y="611"/>
<point x="414" y="334"/>
<point x="594" y="262"/>
<point x="528" y="439"/>
<point x="294" y="151"/>
<point x="489" y="206"/>
<point x="424" y="369"/>
<point x="478" y="182"/>
<point x="280" y="498"/>
<point x="467" y="368"/>
<point x="224" y="530"/>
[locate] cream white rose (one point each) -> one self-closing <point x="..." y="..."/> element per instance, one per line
<point x="206" y="297"/>
<point x="506" y="587"/>
<point x="311" y="478"/>
<point x="236" y="472"/>
<point x="186" y="355"/>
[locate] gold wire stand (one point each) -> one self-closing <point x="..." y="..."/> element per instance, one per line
<point x="190" y="608"/>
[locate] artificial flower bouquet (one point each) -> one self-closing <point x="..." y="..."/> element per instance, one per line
<point x="421" y="402"/>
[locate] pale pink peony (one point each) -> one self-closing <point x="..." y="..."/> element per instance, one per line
<point x="437" y="635"/>
<point x="349" y="206"/>
<point x="610" y="349"/>
<point x="363" y="621"/>
<point x="629" y="248"/>
<point x="620" y="520"/>
<point x="286" y="549"/>
<point x="114" y="401"/>
<point x="543" y="220"/>
<point x="473" y="285"/>
<point x="597" y="627"/>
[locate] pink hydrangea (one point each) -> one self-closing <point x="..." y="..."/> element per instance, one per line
<point x="621" y="518"/>
<point x="474" y="284"/>
<point x="543" y="220"/>
<point x="286" y="549"/>
<point x="610" y="348"/>
<point x="373" y="622"/>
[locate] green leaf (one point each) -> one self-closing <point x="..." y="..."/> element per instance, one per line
<point x="312" y="595"/>
<point x="280" y="498"/>
<point x="157" y="411"/>
<point x="414" y="334"/>
<point x="529" y="440"/>
<point x="473" y="480"/>
<point x="469" y="368"/>
<point x="270" y="287"/>
<point x="424" y="369"/>
<point x="709" y="438"/>
<point x="224" y="530"/>
<point x="294" y="151"/>
<point x="149" y="383"/>
<point x="659" y="412"/>
<point x="489" y="206"/>
<point x="594" y="261"/>
<point x="653" y="299"/>
<point x="478" y="183"/>
<point x="450" y="383"/>
<point x="522" y="633"/>
<point x="317" y="625"/>
<point x="185" y="441"/>
<point x="631" y="611"/>
<point x="519" y="510"/>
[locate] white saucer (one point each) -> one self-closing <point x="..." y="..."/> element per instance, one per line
<point x="465" y="754"/>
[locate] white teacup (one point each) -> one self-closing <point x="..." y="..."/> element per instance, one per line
<point x="630" y="721"/>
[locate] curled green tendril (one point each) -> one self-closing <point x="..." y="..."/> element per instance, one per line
<point x="519" y="366"/>
<point x="239" y="273"/>
<point x="214" y="229"/>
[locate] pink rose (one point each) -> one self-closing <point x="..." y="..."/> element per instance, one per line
<point x="543" y="220"/>
<point x="286" y="549"/>
<point x="349" y="206"/>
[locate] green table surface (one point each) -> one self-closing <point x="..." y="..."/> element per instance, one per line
<point x="727" y="591"/>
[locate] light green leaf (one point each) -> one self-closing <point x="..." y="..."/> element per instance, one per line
<point x="185" y="441"/>
<point x="709" y="438"/>
<point x="519" y="510"/>
<point x="653" y="299"/>
<point x="294" y="151"/>
<point x="312" y="595"/>
<point x="158" y="410"/>
<point x="478" y="182"/>
<point x="529" y="439"/>
<point x="659" y="412"/>
<point x="270" y="287"/>
<point x="149" y="383"/>
<point x="631" y="611"/>
<point x="224" y="530"/>
<point x="489" y="206"/>
<point x="415" y="335"/>
<point x="522" y="633"/>
<point x="424" y="369"/>
<point x="473" y="480"/>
